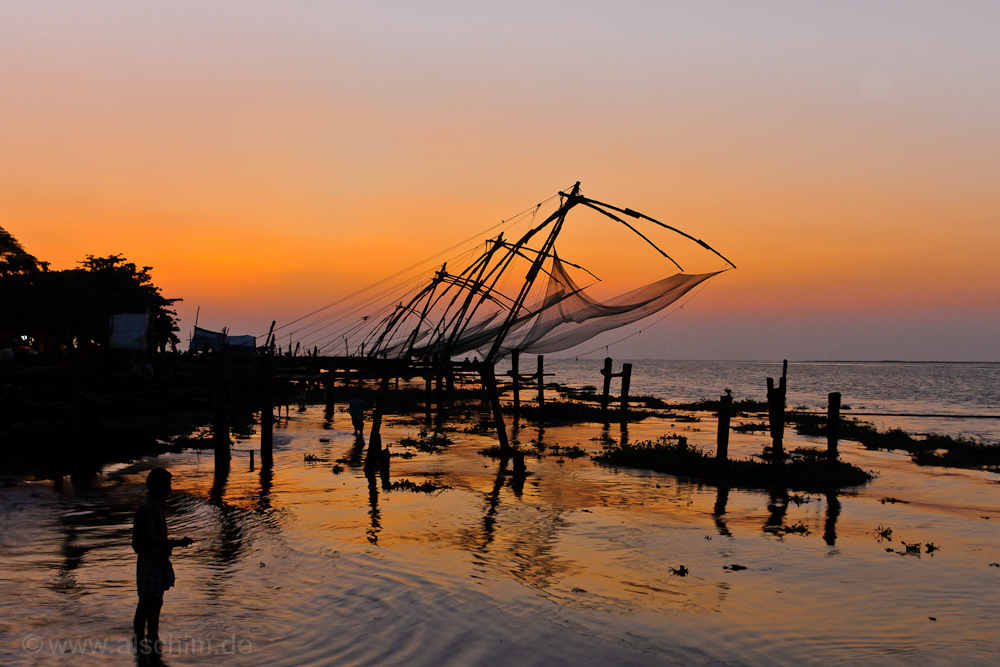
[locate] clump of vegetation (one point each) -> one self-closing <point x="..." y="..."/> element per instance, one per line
<point x="750" y="427"/>
<point x="740" y="407"/>
<point x="200" y="440"/>
<point x="651" y="402"/>
<point x="424" y="487"/>
<point x="337" y="469"/>
<point x="940" y="450"/>
<point x="584" y="393"/>
<point x="429" y="444"/>
<point x="482" y="426"/>
<point x="570" y="452"/>
<point x="796" y="528"/>
<point x="402" y="455"/>
<point x="804" y="469"/>
<point x="566" y="412"/>
<point x="496" y="452"/>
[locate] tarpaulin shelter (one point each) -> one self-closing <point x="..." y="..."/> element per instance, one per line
<point x="128" y="331"/>
<point x="204" y="340"/>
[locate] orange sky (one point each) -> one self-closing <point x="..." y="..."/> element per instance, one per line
<point x="266" y="160"/>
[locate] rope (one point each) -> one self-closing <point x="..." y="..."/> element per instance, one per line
<point x="510" y="222"/>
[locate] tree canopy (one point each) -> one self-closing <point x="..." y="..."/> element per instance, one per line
<point x="14" y="259"/>
<point x="57" y="307"/>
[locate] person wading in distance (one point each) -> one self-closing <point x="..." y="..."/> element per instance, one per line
<point x="357" y="408"/>
<point x="153" y="573"/>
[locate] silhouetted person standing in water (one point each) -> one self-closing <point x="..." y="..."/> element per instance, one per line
<point x="154" y="573"/>
<point x="357" y="408"/>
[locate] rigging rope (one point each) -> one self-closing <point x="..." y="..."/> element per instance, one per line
<point x="509" y="222"/>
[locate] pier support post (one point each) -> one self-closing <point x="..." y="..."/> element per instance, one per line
<point x="776" y="412"/>
<point x="267" y="413"/>
<point x="722" y="439"/>
<point x="515" y="377"/>
<point x="428" y="392"/>
<point x="373" y="459"/>
<point x="832" y="425"/>
<point x="439" y="394"/>
<point x="490" y="385"/>
<point x="267" y="430"/>
<point x="626" y="382"/>
<point x="328" y="385"/>
<point x="220" y="437"/>
<point x="541" y="382"/>
<point x="606" y="372"/>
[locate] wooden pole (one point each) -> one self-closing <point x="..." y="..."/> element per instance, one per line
<point x="832" y="425"/>
<point x="606" y="372"/>
<point x="267" y="429"/>
<point x="626" y="381"/>
<point x="331" y="397"/>
<point x="515" y="371"/>
<point x="373" y="460"/>
<point x="776" y="412"/>
<point x="541" y="382"/>
<point x="439" y="396"/>
<point x="722" y="439"/>
<point x="490" y="386"/>
<point x="220" y="437"/>
<point x="428" y="391"/>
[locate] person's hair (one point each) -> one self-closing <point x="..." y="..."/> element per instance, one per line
<point x="158" y="478"/>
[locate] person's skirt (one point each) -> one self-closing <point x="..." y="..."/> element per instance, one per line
<point x="152" y="578"/>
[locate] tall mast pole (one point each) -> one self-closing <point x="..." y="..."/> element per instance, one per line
<point x="536" y="266"/>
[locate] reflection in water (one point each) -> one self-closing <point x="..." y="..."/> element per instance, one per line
<point x="264" y="497"/>
<point x="354" y="455"/>
<point x="517" y="478"/>
<point x="376" y="524"/>
<point x="496" y="548"/>
<point x="832" y="512"/>
<point x="721" y="498"/>
<point x="526" y="547"/>
<point x="778" y="507"/>
<point x="492" y="501"/>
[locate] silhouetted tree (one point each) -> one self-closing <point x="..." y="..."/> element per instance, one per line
<point x="56" y="307"/>
<point x="14" y="259"/>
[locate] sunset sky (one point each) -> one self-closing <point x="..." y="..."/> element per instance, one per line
<point x="268" y="158"/>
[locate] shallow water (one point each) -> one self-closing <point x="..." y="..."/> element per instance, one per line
<point x="943" y="398"/>
<point x="574" y="564"/>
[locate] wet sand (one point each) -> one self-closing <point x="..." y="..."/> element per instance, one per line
<point x="574" y="564"/>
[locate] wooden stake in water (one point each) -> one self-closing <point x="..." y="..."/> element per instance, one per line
<point x="606" y="372"/>
<point x="328" y="384"/>
<point x="832" y="425"/>
<point x="489" y="380"/>
<point x="626" y="382"/>
<point x="516" y="379"/>
<point x="541" y="381"/>
<point x="722" y="439"/>
<point x="427" y="395"/>
<point x="374" y="457"/>
<point x="776" y="412"/>
<point x="267" y="430"/>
